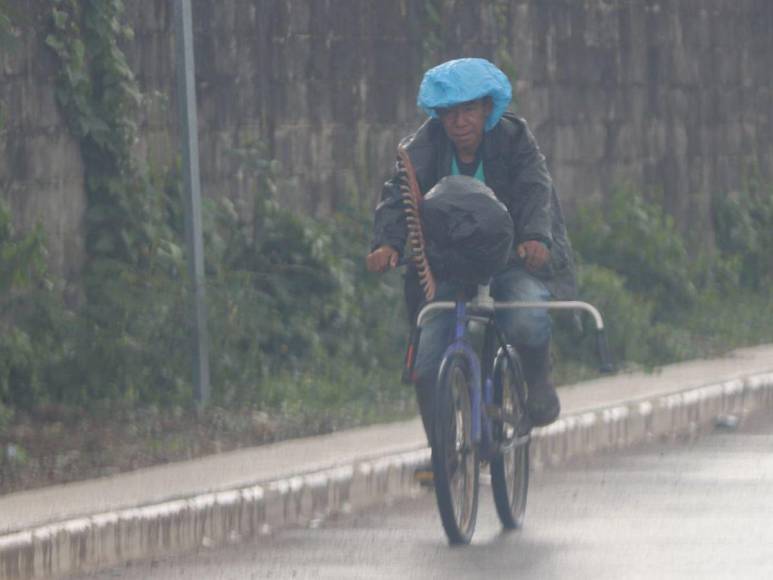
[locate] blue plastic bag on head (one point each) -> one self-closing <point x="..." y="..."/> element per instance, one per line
<point x="461" y="80"/>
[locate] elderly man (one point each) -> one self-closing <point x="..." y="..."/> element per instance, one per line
<point x="470" y="133"/>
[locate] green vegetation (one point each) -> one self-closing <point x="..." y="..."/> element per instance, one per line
<point x="296" y="325"/>
<point x="298" y="328"/>
<point x="99" y="96"/>
<point x="662" y="305"/>
<point x="434" y="21"/>
<point x="431" y="30"/>
<point x="22" y="268"/>
<point x="7" y="37"/>
<point x="503" y="57"/>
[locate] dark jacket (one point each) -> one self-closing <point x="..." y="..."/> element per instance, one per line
<point x="515" y="169"/>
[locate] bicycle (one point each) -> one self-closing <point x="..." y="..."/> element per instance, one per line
<point x="480" y="413"/>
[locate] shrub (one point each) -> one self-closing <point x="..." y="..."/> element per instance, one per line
<point x="743" y="224"/>
<point x="640" y="242"/>
<point x="660" y="304"/>
<point x="22" y="279"/>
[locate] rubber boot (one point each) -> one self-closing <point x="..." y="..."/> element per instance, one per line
<point x="423" y="473"/>
<point x="542" y="402"/>
<point x="423" y="397"/>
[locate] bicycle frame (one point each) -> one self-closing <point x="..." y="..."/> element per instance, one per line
<point x="461" y="346"/>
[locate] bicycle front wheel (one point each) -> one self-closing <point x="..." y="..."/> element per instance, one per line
<point x="510" y="468"/>
<point x="454" y="456"/>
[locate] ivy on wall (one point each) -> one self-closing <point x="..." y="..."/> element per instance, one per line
<point x="296" y="321"/>
<point x="435" y="21"/>
<point x="433" y="44"/>
<point x="504" y="58"/>
<point x="288" y="314"/>
<point x="99" y="96"/>
<point x="7" y="36"/>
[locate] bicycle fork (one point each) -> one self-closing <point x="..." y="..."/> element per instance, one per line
<point x="480" y="395"/>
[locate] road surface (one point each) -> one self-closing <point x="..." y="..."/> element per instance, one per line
<point x="701" y="509"/>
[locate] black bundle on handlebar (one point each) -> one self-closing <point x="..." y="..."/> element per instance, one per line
<point x="469" y="233"/>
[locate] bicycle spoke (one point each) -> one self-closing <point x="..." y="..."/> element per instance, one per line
<point x="509" y="471"/>
<point x="454" y="456"/>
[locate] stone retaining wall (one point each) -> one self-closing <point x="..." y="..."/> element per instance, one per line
<point x="673" y="96"/>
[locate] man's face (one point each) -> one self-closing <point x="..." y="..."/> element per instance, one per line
<point x="464" y="123"/>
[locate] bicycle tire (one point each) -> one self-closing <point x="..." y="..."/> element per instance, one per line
<point x="510" y="468"/>
<point x="455" y="464"/>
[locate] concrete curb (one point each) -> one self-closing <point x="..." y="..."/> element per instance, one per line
<point x="108" y="539"/>
<point x="683" y="413"/>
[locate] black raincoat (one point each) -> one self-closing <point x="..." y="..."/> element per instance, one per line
<point x="515" y="169"/>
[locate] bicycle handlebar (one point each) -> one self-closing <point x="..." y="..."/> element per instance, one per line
<point x="487" y="307"/>
<point x="602" y="347"/>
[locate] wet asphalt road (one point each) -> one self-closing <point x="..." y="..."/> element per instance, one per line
<point x="690" y="510"/>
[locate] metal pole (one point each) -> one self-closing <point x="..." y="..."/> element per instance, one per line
<point x="186" y="92"/>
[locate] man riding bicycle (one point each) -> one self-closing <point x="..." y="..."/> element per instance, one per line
<point x="470" y="133"/>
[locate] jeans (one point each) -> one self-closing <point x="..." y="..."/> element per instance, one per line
<point x="522" y="327"/>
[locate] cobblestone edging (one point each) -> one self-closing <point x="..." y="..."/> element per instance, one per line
<point x="213" y="519"/>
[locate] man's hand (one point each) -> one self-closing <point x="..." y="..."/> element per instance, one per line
<point x="534" y="254"/>
<point x="382" y="259"/>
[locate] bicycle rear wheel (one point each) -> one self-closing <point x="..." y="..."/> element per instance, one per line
<point x="455" y="463"/>
<point x="510" y="468"/>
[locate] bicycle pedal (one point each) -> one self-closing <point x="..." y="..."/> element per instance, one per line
<point x="424" y="477"/>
